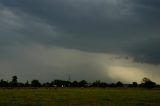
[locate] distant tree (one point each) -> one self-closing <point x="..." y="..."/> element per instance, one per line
<point x="83" y="83"/>
<point x="21" y="84"/>
<point x="97" y="83"/>
<point x="74" y="84"/>
<point x="4" y="83"/>
<point x="67" y="83"/>
<point x="58" y="83"/>
<point x="35" y="83"/>
<point x="145" y="79"/>
<point x="147" y="83"/>
<point x="61" y="83"/>
<point x="26" y="84"/>
<point x="134" y="84"/>
<point x="119" y="84"/>
<point x="47" y="84"/>
<point x="14" y="82"/>
<point x="103" y="84"/>
<point x="112" y="85"/>
<point x="158" y="86"/>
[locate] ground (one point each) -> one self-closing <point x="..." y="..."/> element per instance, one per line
<point x="79" y="97"/>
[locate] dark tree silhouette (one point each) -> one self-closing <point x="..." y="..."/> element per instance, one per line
<point x="97" y="83"/>
<point x="147" y="83"/>
<point x="119" y="84"/>
<point x="26" y="84"/>
<point x="150" y="84"/>
<point x="103" y="84"/>
<point x="35" y="83"/>
<point x="134" y="84"/>
<point x="112" y="85"/>
<point x="47" y="84"/>
<point x="74" y="84"/>
<point x="58" y="83"/>
<point x="83" y="83"/>
<point x="145" y="79"/>
<point x="14" y="82"/>
<point x="4" y="83"/>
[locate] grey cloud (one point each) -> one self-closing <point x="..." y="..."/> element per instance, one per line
<point x="111" y="26"/>
<point x="46" y="64"/>
<point x="49" y="63"/>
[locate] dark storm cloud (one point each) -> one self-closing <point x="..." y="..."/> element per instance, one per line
<point x="112" y="26"/>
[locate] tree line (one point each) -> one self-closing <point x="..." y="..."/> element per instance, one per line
<point x="146" y="83"/>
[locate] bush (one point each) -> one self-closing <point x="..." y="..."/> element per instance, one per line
<point x="35" y="83"/>
<point x="149" y="84"/>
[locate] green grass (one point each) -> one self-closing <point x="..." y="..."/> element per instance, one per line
<point x="79" y="97"/>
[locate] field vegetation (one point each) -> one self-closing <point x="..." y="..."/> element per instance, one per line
<point x="55" y="96"/>
<point x="82" y="93"/>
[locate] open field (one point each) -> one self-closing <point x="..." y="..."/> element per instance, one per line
<point x="79" y="97"/>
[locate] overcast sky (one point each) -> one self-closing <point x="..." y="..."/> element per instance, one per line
<point x="108" y="40"/>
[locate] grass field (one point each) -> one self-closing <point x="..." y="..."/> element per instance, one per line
<point x="79" y="97"/>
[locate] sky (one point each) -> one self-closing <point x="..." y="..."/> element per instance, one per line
<point x="107" y="40"/>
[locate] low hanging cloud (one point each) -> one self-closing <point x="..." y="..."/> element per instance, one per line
<point x="48" y="33"/>
<point x="49" y="63"/>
